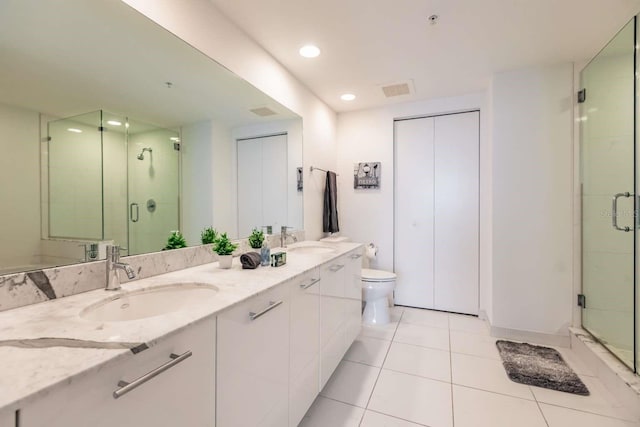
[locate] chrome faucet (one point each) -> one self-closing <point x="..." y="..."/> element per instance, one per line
<point x="113" y="265"/>
<point x="284" y="235"/>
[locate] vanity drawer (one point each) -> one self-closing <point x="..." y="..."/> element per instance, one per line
<point x="183" y="393"/>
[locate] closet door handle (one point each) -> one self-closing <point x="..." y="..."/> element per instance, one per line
<point x="614" y="211"/>
<point x="272" y="305"/>
<point x="137" y="217"/>
<point x="126" y="387"/>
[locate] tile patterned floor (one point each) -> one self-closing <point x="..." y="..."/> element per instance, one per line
<point x="443" y="370"/>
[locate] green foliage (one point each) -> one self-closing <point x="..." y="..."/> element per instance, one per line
<point x="175" y="241"/>
<point x="208" y="235"/>
<point x="256" y="238"/>
<point x="223" y="246"/>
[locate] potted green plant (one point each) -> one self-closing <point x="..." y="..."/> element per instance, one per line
<point x="175" y="241"/>
<point x="256" y="238"/>
<point x="224" y="248"/>
<point x="208" y="235"/>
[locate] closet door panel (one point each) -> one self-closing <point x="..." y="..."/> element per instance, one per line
<point x="274" y="181"/>
<point x="414" y="209"/>
<point x="457" y="212"/>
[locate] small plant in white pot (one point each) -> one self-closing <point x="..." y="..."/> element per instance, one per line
<point x="256" y="238"/>
<point x="224" y="248"/>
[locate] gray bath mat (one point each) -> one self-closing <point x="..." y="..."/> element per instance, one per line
<point x="539" y="366"/>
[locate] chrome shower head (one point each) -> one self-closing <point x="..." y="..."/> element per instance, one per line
<point x="141" y="155"/>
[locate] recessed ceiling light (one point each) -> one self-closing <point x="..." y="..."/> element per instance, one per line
<point x="114" y="123"/>
<point x="74" y="130"/>
<point x="309" y="51"/>
<point x="348" y="97"/>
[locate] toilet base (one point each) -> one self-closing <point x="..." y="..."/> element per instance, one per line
<point x="376" y="312"/>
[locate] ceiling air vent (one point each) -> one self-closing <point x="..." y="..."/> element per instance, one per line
<point x="398" y="89"/>
<point x="263" y="111"/>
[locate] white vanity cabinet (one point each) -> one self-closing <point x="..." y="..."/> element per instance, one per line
<point x="340" y="310"/>
<point x="304" y="340"/>
<point x="182" y="395"/>
<point x="253" y="361"/>
<point x="332" y="317"/>
<point x="353" y="296"/>
<point x="7" y="418"/>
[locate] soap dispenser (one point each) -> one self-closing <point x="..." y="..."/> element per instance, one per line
<point x="265" y="253"/>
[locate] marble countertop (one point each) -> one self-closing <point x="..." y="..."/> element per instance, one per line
<point x="46" y="345"/>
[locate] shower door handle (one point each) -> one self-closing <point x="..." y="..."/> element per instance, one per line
<point x="137" y="210"/>
<point x="614" y="211"/>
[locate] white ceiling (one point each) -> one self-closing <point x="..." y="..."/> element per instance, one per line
<point x="70" y="57"/>
<point x="368" y="43"/>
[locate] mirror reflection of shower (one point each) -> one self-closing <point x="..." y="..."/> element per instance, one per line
<point x="141" y="155"/>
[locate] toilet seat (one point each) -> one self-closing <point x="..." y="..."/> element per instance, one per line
<point x="370" y="275"/>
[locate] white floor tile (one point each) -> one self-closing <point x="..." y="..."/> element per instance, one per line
<point x="418" y="316"/>
<point x="474" y="344"/>
<point x="575" y="362"/>
<point x="469" y="324"/>
<point x="421" y="361"/>
<point x="600" y="401"/>
<point x="370" y="351"/>
<point x="351" y="383"/>
<point x="396" y="312"/>
<point x="374" y="419"/>
<point x="562" y="417"/>
<point x="412" y="398"/>
<point x="326" y="412"/>
<point x="425" y="336"/>
<point x="384" y="332"/>
<point x="485" y="374"/>
<point x="477" y="408"/>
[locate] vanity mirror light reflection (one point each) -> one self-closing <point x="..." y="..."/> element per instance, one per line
<point x="116" y="131"/>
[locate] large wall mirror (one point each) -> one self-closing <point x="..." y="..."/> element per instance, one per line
<point x="116" y="131"/>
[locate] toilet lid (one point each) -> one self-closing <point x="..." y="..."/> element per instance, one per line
<point x="370" y="275"/>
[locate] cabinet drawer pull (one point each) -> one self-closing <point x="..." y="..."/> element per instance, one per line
<point x="310" y="284"/>
<point x="126" y="387"/>
<point x="336" y="267"/>
<point x="355" y="256"/>
<point x="272" y="305"/>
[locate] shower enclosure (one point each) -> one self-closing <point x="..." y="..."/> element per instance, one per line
<point x="112" y="178"/>
<point x="610" y="198"/>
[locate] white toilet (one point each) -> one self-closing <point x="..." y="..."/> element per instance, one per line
<point x="377" y="285"/>
<point x="377" y="290"/>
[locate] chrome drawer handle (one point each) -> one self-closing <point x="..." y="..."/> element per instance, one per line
<point x="308" y="285"/>
<point x="126" y="387"/>
<point x="337" y="267"/>
<point x="272" y="305"/>
<point x="355" y="256"/>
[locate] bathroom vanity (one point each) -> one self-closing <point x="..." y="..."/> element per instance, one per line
<point x="253" y="349"/>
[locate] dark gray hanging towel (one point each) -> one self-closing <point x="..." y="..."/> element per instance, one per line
<point x="330" y="213"/>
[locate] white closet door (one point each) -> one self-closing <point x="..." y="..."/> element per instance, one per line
<point x="274" y="181"/>
<point x="457" y="212"/>
<point x="249" y="185"/>
<point x="414" y="210"/>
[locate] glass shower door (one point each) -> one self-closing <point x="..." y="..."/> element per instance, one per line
<point x="153" y="161"/>
<point x="607" y="120"/>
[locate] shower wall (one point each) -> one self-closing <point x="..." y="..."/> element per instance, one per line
<point x="155" y="178"/>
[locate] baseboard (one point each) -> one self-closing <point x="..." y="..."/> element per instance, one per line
<point x="531" y="337"/>
<point x="616" y="377"/>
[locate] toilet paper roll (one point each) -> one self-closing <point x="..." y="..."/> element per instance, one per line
<point x="371" y="251"/>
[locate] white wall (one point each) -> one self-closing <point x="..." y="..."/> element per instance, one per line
<point x="206" y="179"/>
<point x="20" y="192"/>
<point x="532" y="199"/>
<point x="367" y="215"/>
<point x="203" y="26"/>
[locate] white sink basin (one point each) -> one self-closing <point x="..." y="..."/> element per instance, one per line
<point x="310" y="248"/>
<point x="148" y="303"/>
